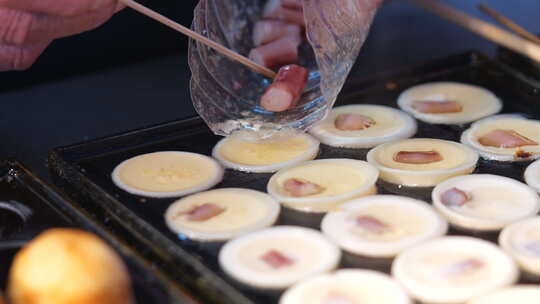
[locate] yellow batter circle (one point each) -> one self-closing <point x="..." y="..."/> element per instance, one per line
<point x="265" y="156"/>
<point x="167" y="174"/>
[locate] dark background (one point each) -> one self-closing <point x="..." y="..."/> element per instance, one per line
<point x="133" y="72"/>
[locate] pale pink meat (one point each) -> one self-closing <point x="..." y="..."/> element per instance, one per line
<point x="353" y="122"/>
<point x="454" y="198"/>
<point x="294" y="4"/>
<point x="276" y="259"/>
<point x="337" y="298"/>
<point x="275" y="10"/>
<point x="203" y="212"/>
<point x="299" y="188"/>
<point x="278" y="52"/>
<point x="372" y="224"/>
<point x="286" y="90"/>
<point x="418" y="157"/>
<point x="266" y="31"/>
<point x="437" y="107"/>
<point x="462" y="268"/>
<point x="505" y="139"/>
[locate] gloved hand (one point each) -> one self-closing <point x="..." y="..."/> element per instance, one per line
<point x="27" y="27"/>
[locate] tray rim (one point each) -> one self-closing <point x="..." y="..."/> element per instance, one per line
<point x="68" y="209"/>
<point x="146" y="233"/>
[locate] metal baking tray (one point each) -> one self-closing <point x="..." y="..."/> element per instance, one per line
<point x="527" y="67"/>
<point x="28" y="206"/>
<point x="83" y="170"/>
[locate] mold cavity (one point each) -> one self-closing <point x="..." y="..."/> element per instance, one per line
<point x="13" y="216"/>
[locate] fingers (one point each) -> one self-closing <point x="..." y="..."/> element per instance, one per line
<point x="22" y="28"/>
<point x="119" y="6"/>
<point x="57" y="7"/>
<point x="14" y="26"/>
<point x="46" y="27"/>
<point x="25" y="35"/>
<point x="20" y="58"/>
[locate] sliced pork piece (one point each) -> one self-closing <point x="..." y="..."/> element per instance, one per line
<point x="276" y="259"/>
<point x="372" y="224"/>
<point x="286" y="90"/>
<point x="418" y="157"/>
<point x="461" y="268"/>
<point x="203" y="212"/>
<point x="336" y="298"/>
<point x="266" y="31"/>
<point x="299" y="188"/>
<point x="275" y="10"/>
<point x="278" y="52"/>
<point x="505" y="139"/>
<point x="454" y="198"/>
<point x="437" y="107"/>
<point x="353" y="122"/>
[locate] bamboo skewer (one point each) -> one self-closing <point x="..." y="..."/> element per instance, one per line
<point x="482" y="28"/>
<point x="198" y="37"/>
<point x="509" y="23"/>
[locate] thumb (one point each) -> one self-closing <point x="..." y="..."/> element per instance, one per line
<point x="119" y="6"/>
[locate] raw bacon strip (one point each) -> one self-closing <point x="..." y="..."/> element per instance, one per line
<point x="286" y="90"/>
<point x="266" y="31"/>
<point x="275" y="10"/>
<point x="276" y="259"/>
<point x="533" y="247"/>
<point x="454" y="198"/>
<point x="505" y="139"/>
<point x="278" y="52"/>
<point x="437" y="107"/>
<point x="372" y="224"/>
<point x="298" y="188"/>
<point x="203" y="212"/>
<point x="461" y="268"/>
<point x="418" y="157"/>
<point x="294" y="4"/>
<point x="353" y="122"/>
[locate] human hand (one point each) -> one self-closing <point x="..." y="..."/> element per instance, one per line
<point x="27" y="27"/>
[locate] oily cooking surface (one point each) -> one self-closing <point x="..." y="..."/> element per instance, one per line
<point x="98" y="163"/>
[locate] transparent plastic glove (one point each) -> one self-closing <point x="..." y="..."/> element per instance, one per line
<point x="226" y="94"/>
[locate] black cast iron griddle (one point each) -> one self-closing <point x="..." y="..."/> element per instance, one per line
<point x="527" y="67"/>
<point x="28" y="206"/>
<point x="83" y="170"/>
